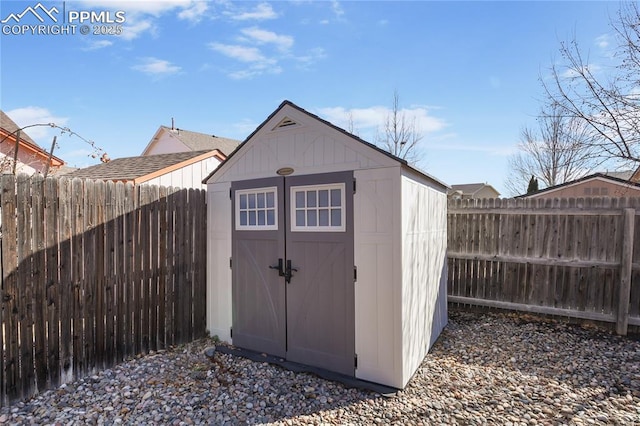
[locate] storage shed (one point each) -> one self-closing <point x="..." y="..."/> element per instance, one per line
<point x="326" y="251"/>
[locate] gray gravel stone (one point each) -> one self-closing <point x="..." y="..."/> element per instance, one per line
<point x="485" y="369"/>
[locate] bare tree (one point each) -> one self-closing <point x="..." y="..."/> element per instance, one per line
<point x="399" y="134"/>
<point x="609" y="105"/>
<point x="558" y="151"/>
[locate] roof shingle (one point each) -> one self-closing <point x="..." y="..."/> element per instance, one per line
<point x="131" y="168"/>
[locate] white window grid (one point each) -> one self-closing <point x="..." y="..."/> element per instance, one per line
<point x="257" y="209"/>
<point x="318" y="208"/>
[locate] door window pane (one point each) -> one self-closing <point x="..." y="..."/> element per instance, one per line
<point x="336" y="217"/>
<point x="311" y="218"/>
<point x="318" y="208"/>
<point x="256" y="209"/>
<point x="323" y="217"/>
<point x="299" y="199"/>
<point x="311" y="199"/>
<point x="336" y="197"/>
<point x="300" y="218"/>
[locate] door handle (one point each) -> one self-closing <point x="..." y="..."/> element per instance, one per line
<point x="287" y="273"/>
<point x="281" y="272"/>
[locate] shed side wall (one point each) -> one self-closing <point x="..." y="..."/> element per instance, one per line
<point x="218" y="255"/>
<point x="378" y="300"/>
<point x="190" y="176"/>
<point x="424" y="273"/>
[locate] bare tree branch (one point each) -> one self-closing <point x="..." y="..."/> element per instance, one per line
<point x="558" y="151"/>
<point x="400" y="135"/>
<point x="609" y="107"/>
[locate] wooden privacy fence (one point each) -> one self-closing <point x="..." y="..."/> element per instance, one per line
<point x="577" y="258"/>
<point x="94" y="273"/>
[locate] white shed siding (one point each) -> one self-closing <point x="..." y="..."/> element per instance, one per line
<point x="311" y="148"/>
<point x="378" y="315"/>
<point x="218" y="255"/>
<point x="190" y="176"/>
<point x="424" y="252"/>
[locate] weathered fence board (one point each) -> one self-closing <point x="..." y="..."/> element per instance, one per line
<point x="92" y="274"/>
<point x="569" y="257"/>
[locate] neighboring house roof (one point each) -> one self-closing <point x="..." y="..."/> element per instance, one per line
<point x="195" y="141"/>
<point x="471" y="189"/>
<point x="8" y="134"/>
<point x="606" y="176"/>
<point x="402" y="161"/>
<point x="143" y="168"/>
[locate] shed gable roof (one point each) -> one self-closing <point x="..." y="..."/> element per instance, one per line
<point x="290" y="116"/>
<point x="142" y="168"/>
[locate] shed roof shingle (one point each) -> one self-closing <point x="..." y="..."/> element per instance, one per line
<point x="130" y="168"/>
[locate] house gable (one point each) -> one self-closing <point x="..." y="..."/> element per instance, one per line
<point x="31" y="157"/>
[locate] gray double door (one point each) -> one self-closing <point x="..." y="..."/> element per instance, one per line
<point x="293" y="269"/>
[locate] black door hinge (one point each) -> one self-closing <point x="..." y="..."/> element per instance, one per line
<point x="355" y="273"/>
<point x="231" y="332"/>
<point x="355" y="361"/>
<point x="230" y="194"/>
<point x="354" y="186"/>
<point x="231" y="263"/>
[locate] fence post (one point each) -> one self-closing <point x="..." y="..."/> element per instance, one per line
<point x="622" y="321"/>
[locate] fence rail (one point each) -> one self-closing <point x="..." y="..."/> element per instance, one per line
<point x="94" y="273"/>
<point x="578" y="258"/>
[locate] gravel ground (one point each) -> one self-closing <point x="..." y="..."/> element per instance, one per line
<point x="484" y="369"/>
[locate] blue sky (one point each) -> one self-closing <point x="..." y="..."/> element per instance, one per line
<point x="467" y="71"/>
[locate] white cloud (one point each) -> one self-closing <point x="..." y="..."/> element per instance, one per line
<point x="195" y="12"/>
<point x="240" y="53"/>
<point x="97" y="44"/>
<point x="311" y="57"/>
<point x="30" y="115"/>
<point x="337" y="9"/>
<point x="369" y="119"/>
<point x="141" y="16"/>
<point x="156" y="7"/>
<point x="260" y="36"/>
<point x="603" y="41"/>
<point x="261" y="12"/>
<point x="133" y="28"/>
<point x="155" y="66"/>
